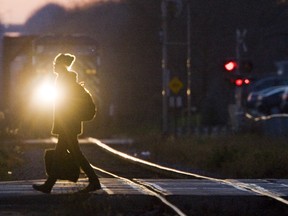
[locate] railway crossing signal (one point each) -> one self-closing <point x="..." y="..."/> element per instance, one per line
<point x="230" y="66"/>
<point x="238" y="73"/>
<point x="241" y="82"/>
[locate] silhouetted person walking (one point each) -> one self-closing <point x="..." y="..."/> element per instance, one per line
<point x="67" y="124"/>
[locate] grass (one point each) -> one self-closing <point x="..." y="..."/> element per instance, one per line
<point x="233" y="156"/>
<point x="10" y="157"/>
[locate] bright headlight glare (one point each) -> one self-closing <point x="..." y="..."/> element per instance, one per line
<point x="45" y="93"/>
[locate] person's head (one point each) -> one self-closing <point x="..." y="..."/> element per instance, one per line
<point x="62" y="62"/>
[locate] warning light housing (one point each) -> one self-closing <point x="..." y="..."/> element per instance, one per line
<point x="230" y="66"/>
<point x="241" y="82"/>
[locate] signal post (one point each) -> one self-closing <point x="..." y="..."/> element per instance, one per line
<point x="237" y="68"/>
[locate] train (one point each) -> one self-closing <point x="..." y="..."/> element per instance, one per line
<point x="27" y="78"/>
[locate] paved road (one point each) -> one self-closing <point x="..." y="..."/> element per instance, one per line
<point x="192" y="196"/>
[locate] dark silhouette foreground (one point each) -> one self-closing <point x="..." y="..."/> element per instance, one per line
<point x="70" y="110"/>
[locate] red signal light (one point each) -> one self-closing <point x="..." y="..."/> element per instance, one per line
<point x="230" y="66"/>
<point x="238" y="82"/>
<point x="241" y="81"/>
<point x="246" y="81"/>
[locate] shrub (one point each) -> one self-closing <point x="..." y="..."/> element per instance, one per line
<point x="233" y="156"/>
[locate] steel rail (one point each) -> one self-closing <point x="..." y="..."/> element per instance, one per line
<point x="143" y="188"/>
<point x="231" y="182"/>
<point x="234" y="183"/>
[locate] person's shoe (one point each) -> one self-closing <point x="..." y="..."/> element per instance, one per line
<point x="91" y="187"/>
<point x="43" y="188"/>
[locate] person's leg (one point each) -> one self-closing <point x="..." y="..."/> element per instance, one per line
<point x="47" y="186"/>
<point x="81" y="160"/>
<point x="51" y="179"/>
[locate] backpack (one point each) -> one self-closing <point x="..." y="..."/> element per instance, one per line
<point x="86" y="105"/>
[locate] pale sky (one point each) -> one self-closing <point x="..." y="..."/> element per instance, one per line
<point x="18" y="11"/>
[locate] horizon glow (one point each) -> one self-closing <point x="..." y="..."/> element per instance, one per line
<point x="17" y="12"/>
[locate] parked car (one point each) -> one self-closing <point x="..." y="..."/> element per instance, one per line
<point x="252" y="99"/>
<point x="251" y="92"/>
<point x="284" y="102"/>
<point x="267" y="82"/>
<point x="269" y="101"/>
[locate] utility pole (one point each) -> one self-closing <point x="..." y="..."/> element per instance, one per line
<point x="177" y="8"/>
<point x="240" y="45"/>
<point x="165" y="76"/>
<point x="188" y="66"/>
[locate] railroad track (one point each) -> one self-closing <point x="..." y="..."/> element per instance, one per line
<point x="162" y="171"/>
<point x="234" y="183"/>
<point x="111" y="163"/>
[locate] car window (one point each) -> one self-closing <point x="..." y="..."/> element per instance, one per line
<point x="275" y="90"/>
<point x="267" y="83"/>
